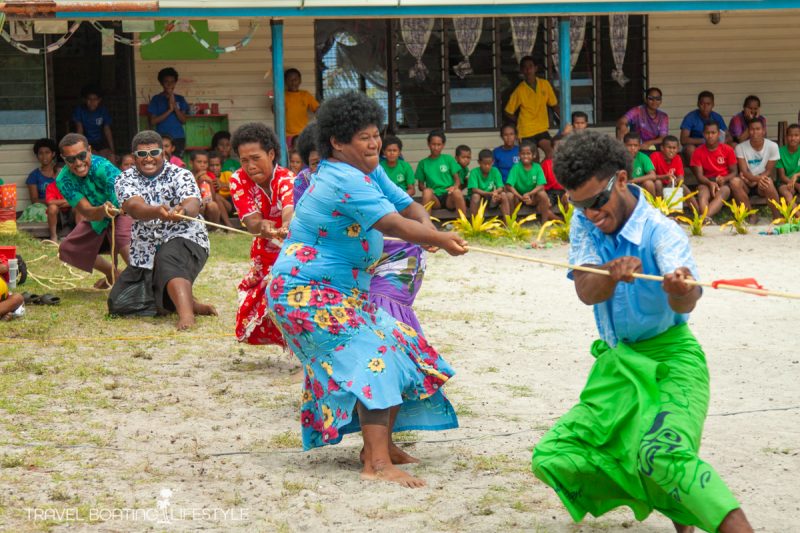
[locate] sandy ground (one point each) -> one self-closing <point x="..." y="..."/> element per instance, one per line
<point x="217" y="424"/>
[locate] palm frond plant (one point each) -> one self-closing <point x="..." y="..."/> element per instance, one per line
<point x="513" y="228"/>
<point x="476" y="225"/>
<point x="697" y="221"/>
<point x="558" y="229"/>
<point x="740" y="214"/>
<point x="790" y="212"/>
<point x="669" y="205"/>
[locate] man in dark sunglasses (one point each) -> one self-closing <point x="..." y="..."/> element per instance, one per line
<point x="87" y="184"/>
<point x="633" y="438"/>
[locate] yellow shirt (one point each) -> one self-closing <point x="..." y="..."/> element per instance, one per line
<point x="224" y="181"/>
<point x="533" y="105"/>
<point x="298" y="103"/>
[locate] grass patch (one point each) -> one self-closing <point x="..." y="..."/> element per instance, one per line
<point x="287" y="439"/>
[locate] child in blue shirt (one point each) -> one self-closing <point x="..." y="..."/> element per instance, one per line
<point x="507" y="154"/>
<point x="93" y="121"/>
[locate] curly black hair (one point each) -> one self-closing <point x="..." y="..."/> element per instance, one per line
<point x="222" y="134"/>
<point x="306" y="142"/>
<point x="256" y="132"/>
<point x="45" y="143"/>
<point x="167" y="72"/>
<point x="590" y="154"/>
<point x="343" y="116"/>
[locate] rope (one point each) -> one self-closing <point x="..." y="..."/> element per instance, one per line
<point x="113" y="217"/>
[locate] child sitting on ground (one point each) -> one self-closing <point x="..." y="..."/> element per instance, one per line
<point x="126" y="161"/>
<point x="438" y="176"/>
<point x="526" y="183"/>
<point x="486" y="184"/>
<point x="580" y="122"/>
<point x="643" y="172"/>
<point x="507" y="154"/>
<point x="169" y="150"/>
<point x="58" y="210"/>
<point x="8" y="302"/>
<point x="463" y="158"/>
<point x="789" y="164"/>
<point x="555" y="192"/>
<point x="45" y="151"/>
<point x="205" y="180"/>
<point x="669" y="168"/>
<point x="714" y="165"/>
<point x="398" y="170"/>
<point x="225" y="206"/>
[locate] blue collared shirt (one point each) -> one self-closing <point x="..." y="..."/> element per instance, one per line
<point x="637" y="311"/>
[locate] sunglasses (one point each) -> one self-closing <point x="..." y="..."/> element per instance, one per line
<point x="654" y="98"/>
<point x="598" y="200"/>
<point x="141" y="154"/>
<point x="70" y="159"/>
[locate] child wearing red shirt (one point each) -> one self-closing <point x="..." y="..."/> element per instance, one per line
<point x="714" y="165"/>
<point x="553" y="188"/>
<point x="669" y="168"/>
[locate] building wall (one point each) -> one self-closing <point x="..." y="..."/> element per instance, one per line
<point x="16" y="162"/>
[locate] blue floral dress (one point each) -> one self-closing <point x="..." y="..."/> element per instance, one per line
<point x="319" y="296"/>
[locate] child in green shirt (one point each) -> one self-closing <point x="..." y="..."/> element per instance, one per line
<point x="463" y="158"/>
<point x="789" y="164"/>
<point x="398" y="170"/>
<point x="486" y="183"/>
<point x="438" y="176"/>
<point x="643" y="171"/>
<point x="526" y="183"/>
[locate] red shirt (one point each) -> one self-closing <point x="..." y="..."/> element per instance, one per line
<point x="716" y="163"/>
<point x="52" y="194"/>
<point x="662" y="167"/>
<point x="552" y="183"/>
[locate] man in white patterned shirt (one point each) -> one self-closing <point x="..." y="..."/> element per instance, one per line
<point x="167" y="252"/>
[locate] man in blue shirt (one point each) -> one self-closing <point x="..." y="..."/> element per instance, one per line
<point x="93" y="121"/>
<point x="694" y="122"/>
<point x="634" y="436"/>
<point x="168" y="111"/>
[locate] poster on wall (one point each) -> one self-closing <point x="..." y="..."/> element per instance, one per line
<point x="179" y="44"/>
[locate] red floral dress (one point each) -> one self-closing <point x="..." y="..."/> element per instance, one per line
<point x="253" y="324"/>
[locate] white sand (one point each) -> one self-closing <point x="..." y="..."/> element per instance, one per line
<point x="517" y="336"/>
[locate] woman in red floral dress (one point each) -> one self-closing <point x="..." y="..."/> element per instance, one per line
<point x="262" y="193"/>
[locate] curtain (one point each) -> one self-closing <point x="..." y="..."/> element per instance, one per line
<point x="468" y="33"/>
<point x="523" y="34"/>
<point x="416" y="34"/>
<point x="577" y="32"/>
<point x="360" y="48"/>
<point x="619" y="43"/>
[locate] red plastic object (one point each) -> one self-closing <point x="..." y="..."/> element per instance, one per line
<point x="6" y="253"/>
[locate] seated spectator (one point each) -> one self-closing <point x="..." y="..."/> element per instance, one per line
<point x="669" y="168"/>
<point x="507" y="154"/>
<point x="737" y="129"/>
<point x="398" y="169"/>
<point x="58" y="211"/>
<point x="92" y="120"/>
<point x="45" y="151"/>
<point x="463" y="155"/>
<point x="789" y="164"/>
<point x="531" y="98"/>
<point x="555" y="192"/>
<point x="225" y="206"/>
<point x="8" y="302"/>
<point x="438" y="176"/>
<point x="87" y="183"/>
<point x="167" y="252"/>
<point x="647" y="120"/>
<point x="205" y="182"/>
<point x="221" y="143"/>
<point x="693" y="124"/>
<point x="169" y="151"/>
<point x="126" y="162"/>
<point x="306" y="144"/>
<point x="714" y="166"/>
<point x="295" y="162"/>
<point x="757" y="157"/>
<point x="579" y="121"/>
<point x="485" y="184"/>
<point x="643" y="172"/>
<point x="526" y="183"/>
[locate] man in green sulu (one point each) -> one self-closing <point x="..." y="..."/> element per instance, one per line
<point x="633" y="438"/>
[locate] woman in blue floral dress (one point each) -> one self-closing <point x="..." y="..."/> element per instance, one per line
<point x="363" y="368"/>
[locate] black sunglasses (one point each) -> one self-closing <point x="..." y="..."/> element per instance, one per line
<point x="141" y="154"/>
<point x="81" y="156"/>
<point x="598" y="200"/>
<point x="655" y="98"/>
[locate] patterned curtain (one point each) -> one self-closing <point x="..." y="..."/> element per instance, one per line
<point x="416" y="34"/>
<point x="577" y="32"/>
<point x="468" y="33"/>
<point x="523" y="34"/>
<point x="619" y="43"/>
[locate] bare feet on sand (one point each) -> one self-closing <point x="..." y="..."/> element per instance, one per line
<point x="397" y="455"/>
<point x="185" y="323"/>
<point x="380" y="471"/>
<point x="203" y="309"/>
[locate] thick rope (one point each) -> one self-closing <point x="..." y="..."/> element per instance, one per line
<point x="113" y="217"/>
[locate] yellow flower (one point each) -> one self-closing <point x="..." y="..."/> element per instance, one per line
<point x="307" y="396"/>
<point x="292" y="248"/>
<point x="405" y="328"/>
<point x="327" y="416"/>
<point x="339" y="314"/>
<point x="354" y="229"/>
<point x="310" y="372"/>
<point x="379" y="333"/>
<point x="322" y="318"/>
<point x="299" y="296"/>
<point x="376" y="365"/>
<point x="327" y="366"/>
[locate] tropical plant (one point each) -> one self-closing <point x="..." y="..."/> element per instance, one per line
<point x="558" y="229"/>
<point x="669" y="205"/>
<point x="476" y="225"/>
<point x="513" y="228"/>
<point x="788" y="211"/>
<point x="740" y="214"/>
<point x="429" y="207"/>
<point x="697" y="221"/>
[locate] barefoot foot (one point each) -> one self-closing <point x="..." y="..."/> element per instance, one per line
<point x="102" y="284"/>
<point x="380" y="471"/>
<point x="204" y="309"/>
<point x="396" y="454"/>
<point x="185" y="323"/>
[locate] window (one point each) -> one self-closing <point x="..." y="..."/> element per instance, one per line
<point x="23" y="93"/>
<point x="371" y="56"/>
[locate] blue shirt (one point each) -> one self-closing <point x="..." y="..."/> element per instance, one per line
<point x="504" y="159"/>
<point x="170" y="125"/>
<point x="41" y="181"/>
<point x="93" y="121"/>
<point x="637" y="311"/>
<point x="695" y="123"/>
